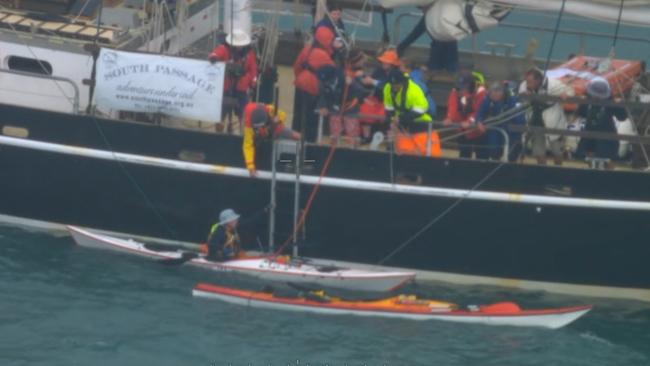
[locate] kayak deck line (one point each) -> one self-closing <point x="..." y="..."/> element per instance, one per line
<point x="261" y="266"/>
<point x="404" y="307"/>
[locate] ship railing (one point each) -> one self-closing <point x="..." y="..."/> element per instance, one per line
<point x="437" y="127"/>
<point x="640" y="141"/>
<point x="74" y="99"/>
<point x="507" y="48"/>
<point x="635" y="139"/>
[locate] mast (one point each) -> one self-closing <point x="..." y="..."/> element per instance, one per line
<point x="94" y="50"/>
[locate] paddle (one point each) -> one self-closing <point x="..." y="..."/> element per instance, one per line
<point x="185" y="257"/>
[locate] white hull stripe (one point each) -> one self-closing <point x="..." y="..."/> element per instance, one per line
<point x="450" y="193"/>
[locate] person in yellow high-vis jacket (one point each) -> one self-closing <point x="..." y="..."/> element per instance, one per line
<point x="262" y="122"/>
<point x="405" y="103"/>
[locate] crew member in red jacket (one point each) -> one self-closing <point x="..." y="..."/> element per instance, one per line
<point x="463" y="104"/>
<point x="241" y="71"/>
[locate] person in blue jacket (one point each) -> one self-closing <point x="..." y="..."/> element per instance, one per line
<point x="416" y="73"/>
<point x="499" y="101"/>
<point x="333" y="21"/>
<point x="223" y="240"/>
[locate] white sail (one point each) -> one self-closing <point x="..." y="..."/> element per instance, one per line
<point x="397" y="3"/>
<point x="635" y="12"/>
<point x="453" y="20"/>
<point x="237" y="14"/>
<point x="615" y="3"/>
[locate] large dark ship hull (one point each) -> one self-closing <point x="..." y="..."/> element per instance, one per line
<point x="556" y="225"/>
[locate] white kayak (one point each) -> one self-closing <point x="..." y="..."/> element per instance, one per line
<point x="402" y="306"/>
<point x="262" y="267"/>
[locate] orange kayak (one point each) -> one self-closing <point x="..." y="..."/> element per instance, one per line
<point x="402" y="306"/>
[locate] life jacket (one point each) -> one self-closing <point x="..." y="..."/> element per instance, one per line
<point x="307" y="80"/>
<point x="372" y="107"/>
<point x="264" y="131"/>
<point x="466" y="108"/>
<point x="243" y="64"/>
<point x="231" y="246"/>
<point x="457" y="112"/>
<point x="318" y="55"/>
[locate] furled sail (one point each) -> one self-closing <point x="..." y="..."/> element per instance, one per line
<point x="397" y="3"/>
<point x="453" y="20"/>
<point x="635" y="12"/>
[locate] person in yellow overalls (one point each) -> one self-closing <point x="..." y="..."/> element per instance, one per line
<point x="223" y="240"/>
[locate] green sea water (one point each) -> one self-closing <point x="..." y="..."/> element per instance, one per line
<point x="65" y="305"/>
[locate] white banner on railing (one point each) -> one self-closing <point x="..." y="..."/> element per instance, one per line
<point x="174" y="86"/>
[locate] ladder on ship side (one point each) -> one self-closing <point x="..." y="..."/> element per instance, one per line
<point x="287" y="153"/>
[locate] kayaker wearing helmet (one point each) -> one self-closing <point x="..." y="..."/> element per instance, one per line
<point x="223" y="240"/>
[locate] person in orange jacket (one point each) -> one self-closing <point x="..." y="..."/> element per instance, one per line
<point x="241" y="70"/>
<point x="262" y="122"/>
<point x="463" y="104"/>
<point x="311" y="59"/>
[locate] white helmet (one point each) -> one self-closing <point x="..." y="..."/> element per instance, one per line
<point x="238" y="38"/>
<point x="228" y="215"/>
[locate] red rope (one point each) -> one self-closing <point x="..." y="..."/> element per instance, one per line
<point x="312" y="195"/>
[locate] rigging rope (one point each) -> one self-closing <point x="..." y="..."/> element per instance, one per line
<point x="314" y="191"/>
<point x="449" y="209"/>
<point x="618" y="24"/>
<point x="555" y="32"/>
<point x="446" y="211"/>
<point x="106" y="142"/>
